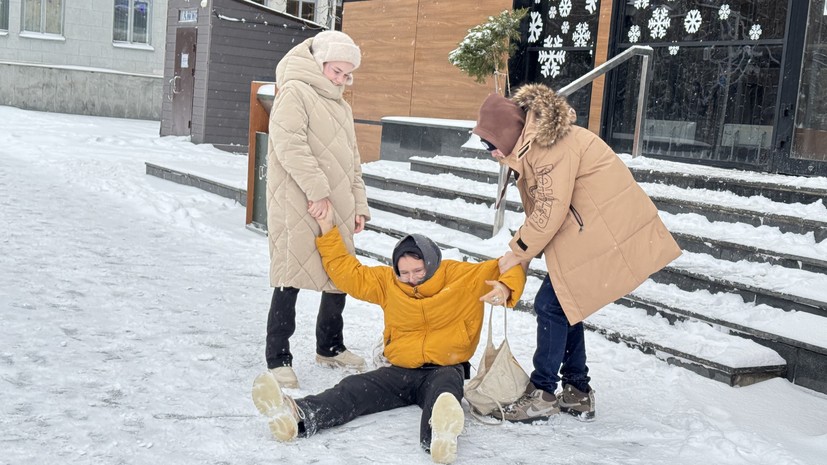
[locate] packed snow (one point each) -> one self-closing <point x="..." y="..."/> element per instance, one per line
<point x="133" y="321"/>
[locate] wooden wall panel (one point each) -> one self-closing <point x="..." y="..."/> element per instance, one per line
<point x="440" y="90"/>
<point x="600" y="57"/>
<point x="369" y="137"/>
<point x="386" y="33"/>
<point x="405" y="69"/>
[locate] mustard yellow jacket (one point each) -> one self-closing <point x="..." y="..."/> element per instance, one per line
<point x="437" y="322"/>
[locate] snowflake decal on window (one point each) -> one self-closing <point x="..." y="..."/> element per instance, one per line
<point x="755" y="32"/>
<point x="724" y="11"/>
<point x="634" y="34"/>
<point x="673" y="49"/>
<point x="659" y="23"/>
<point x="552" y="12"/>
<point x="581" y="35"/>
<point x="641" y="4"/>
<point x="591" y="6"/>
<point x="535" y="27"/>
<point x="565" y="27"/>
<point x="565" y="8"/>
<point x="550" y="60"/>
<point x="692" y="22"/>
<point x="553" y="42"/>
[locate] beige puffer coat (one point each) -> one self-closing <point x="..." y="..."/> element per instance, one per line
<point x="599" y="231"/>
<point x="312" y="155"/>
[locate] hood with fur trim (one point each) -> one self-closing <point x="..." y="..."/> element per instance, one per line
<point x="552" y="115"/>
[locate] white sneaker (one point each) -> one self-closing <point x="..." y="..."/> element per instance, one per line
<point x="278" y="407"/>
<point x="286" y="377"/>
<point x="346" y="359"/>
<point x="447" y="421"/>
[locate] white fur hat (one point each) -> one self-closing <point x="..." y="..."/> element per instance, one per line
<point x="335" y="46"/>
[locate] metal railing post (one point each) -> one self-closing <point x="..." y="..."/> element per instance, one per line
<point x="640" y="115"/>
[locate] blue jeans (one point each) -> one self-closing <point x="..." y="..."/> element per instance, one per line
<point x="558" y="343"/>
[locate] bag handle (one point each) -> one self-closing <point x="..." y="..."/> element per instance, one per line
<point x="491" y="324"/>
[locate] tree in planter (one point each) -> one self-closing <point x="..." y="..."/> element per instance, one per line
<point x="485" y="51"/>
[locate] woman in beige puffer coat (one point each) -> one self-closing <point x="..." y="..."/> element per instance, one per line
<point x="313" y="165"/>
<point x="598" y="230"/>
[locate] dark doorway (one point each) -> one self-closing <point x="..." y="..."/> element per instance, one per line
<point x="182" y="84"/>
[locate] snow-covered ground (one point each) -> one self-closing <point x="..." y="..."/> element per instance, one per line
<point x="132" y="317"/>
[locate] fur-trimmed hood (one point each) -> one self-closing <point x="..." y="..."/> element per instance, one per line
<point x="551" y="115"/>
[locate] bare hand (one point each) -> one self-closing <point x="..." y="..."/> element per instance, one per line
<point x="319" y="208"/>
<point x="509" y="260"/>
<point x="360" y="224"/>
<point x="499" y="295"/>
<point x="325" y="220"/>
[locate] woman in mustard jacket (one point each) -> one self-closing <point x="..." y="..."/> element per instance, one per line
<point x="433" y="311"/>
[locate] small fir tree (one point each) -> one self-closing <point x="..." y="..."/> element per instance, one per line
<point x="485" y="51"/>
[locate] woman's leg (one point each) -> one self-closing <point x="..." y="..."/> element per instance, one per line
<point x="435" y="381"/>
<point x="281" y="324"/>
<point x="356" y="395"/>
<point x="329" y="325"/>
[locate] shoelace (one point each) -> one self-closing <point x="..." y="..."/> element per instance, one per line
<point x="521" y="402"/>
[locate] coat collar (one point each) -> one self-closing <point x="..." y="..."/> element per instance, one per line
<point x="429" y="288"/>
<point x="299" y="65"/>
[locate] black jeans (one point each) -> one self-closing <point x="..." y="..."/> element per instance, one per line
<point x="379" y="390"/>
<point x="281" y="324"/>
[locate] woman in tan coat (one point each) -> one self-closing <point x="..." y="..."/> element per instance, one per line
<point x="312" y="162"/>
<point x="599" y="231"/>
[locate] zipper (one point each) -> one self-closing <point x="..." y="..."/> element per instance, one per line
<point x="577" y="217"/>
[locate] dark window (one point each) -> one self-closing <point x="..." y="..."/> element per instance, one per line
<point x="4" y="15"/>
<point x="717" y="68"/>
<point x="132" y="21"/>
<point x="43" y="16"/>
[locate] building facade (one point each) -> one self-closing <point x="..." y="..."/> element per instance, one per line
<point x="735" y="83"/>
<point x="97" y="57"/>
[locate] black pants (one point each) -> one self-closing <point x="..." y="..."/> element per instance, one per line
<point x="379" y="390"/>
<point x="281" y="324"/>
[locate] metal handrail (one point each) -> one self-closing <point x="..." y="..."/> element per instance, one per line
<point x="645" y="53"/>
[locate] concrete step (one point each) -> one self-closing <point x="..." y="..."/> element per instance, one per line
<point x="735" y="360"/>
<point x="802" y="219"/>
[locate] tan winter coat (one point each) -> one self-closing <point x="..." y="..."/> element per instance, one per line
<point x="312" y="155"/>
<point x="599" y="231"/>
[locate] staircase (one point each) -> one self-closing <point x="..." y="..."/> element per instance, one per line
<point x="744" y="303"/>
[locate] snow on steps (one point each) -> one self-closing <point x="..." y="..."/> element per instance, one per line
<point x="776" y="285"/>
<point x="690" y="344"/>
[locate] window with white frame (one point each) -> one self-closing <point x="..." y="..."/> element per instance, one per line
<point x="132" y="21"/>
<point x="4" y="15"/>
<point x="305" y="9"/>
<point x="43" y="16"/>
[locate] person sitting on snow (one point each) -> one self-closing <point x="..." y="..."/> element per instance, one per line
<point x="433" y="315"/>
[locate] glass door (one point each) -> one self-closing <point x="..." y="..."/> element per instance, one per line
<point x="809" y="146"/>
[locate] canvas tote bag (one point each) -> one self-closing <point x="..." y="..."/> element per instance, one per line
<point x="500" y="380"/>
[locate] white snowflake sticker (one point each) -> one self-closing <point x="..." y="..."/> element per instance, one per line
<point x="535" y="27"/>
<point x="724" y="11"/>
<point x="659" y="23"/>
<point x="553" y="42"/>
<point x="564" y="8"/>
<point x="692" y="22"/>
<point x="591" y="6"/>
<point x="641" y="4"/>
<point x="565" y="27"/>
<point x="755" y="32"/>
<point x="581" y="35"/>
<point x="552" y="12"/>
<point x="550" y="62"/>
<point x="673" y="49"/>
<point x="634" y="34"/>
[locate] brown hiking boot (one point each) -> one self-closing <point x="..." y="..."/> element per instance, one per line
<point x="576" y="402"/>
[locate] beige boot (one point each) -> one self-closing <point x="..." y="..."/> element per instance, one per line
<point x="286" y="377"/>
<point x="282" y="412"/>
<point x="447" y="422"/>
<point x="346" y="359"/>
